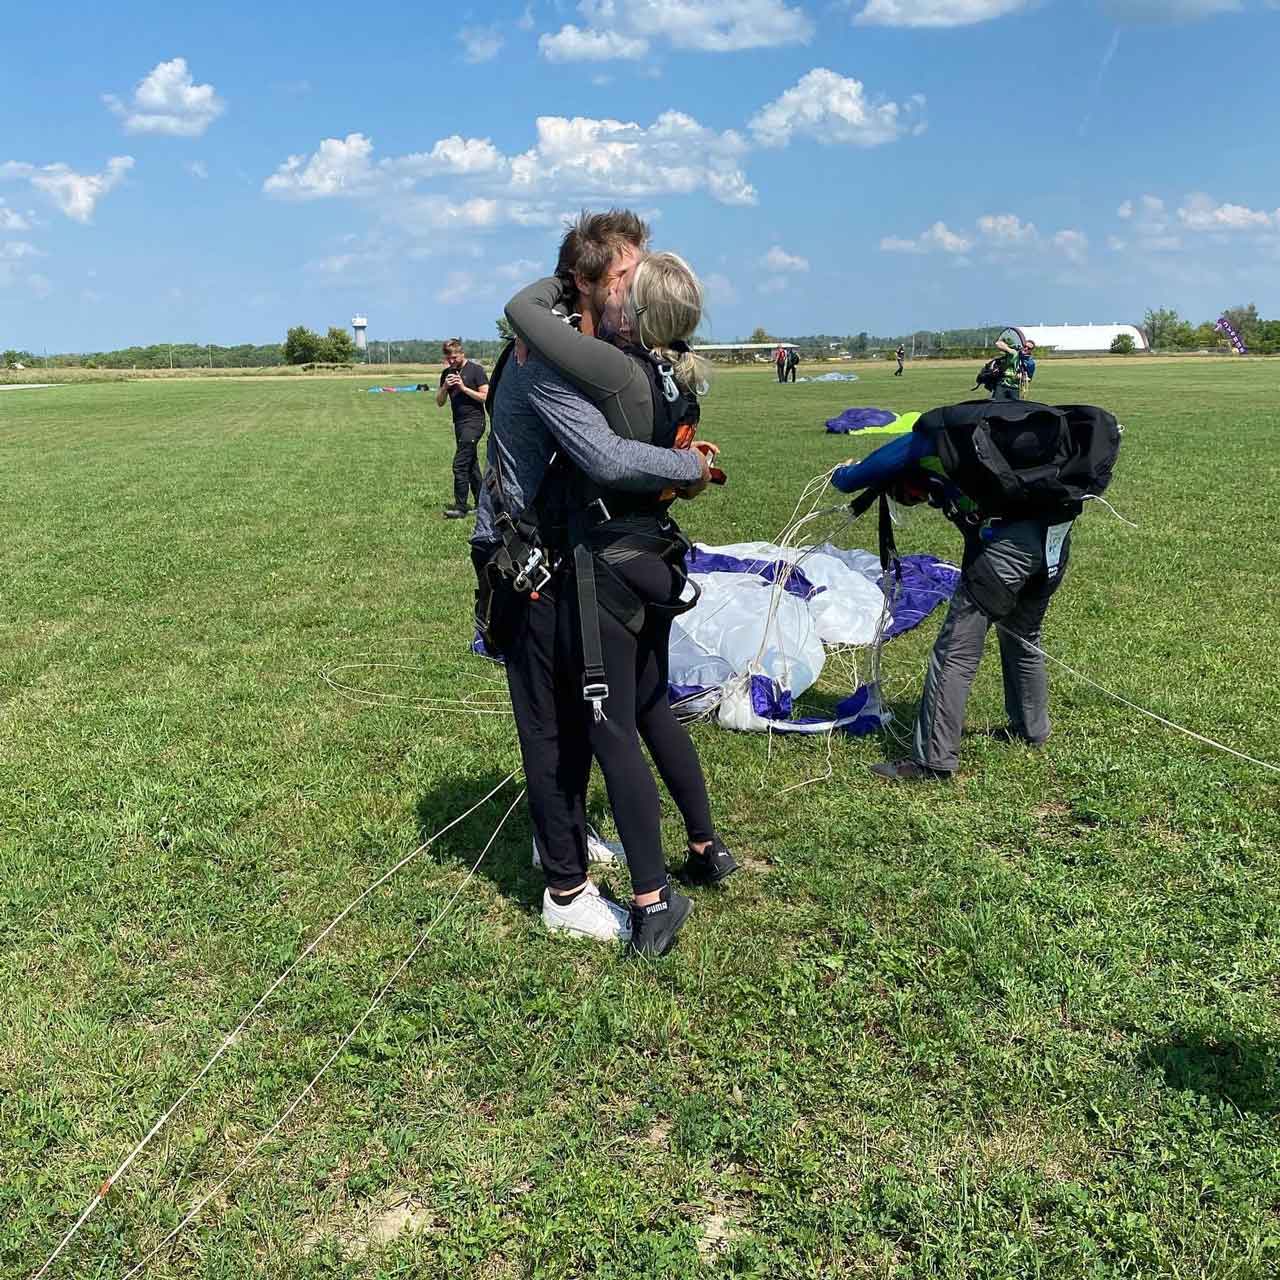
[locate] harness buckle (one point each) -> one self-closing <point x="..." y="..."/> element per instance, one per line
<point x="596" y="692"/>
<point x="534" y="574"/>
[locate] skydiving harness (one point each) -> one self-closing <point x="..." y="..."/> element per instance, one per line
<point x="597" y="529"/>
<point x="607" y="528"/>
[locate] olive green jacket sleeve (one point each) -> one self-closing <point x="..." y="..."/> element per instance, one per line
<point x="608" y="377"/>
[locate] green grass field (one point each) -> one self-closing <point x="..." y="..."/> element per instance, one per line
<point x="1024" y="1026"/>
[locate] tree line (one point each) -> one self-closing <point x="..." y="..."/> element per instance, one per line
<point x="1165" y="330"/>
<point x="1163" y="327"/>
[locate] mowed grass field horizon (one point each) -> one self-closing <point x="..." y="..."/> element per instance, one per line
<point x="1026" y="1025"/>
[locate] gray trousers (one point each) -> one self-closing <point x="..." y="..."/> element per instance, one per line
<point x="1008" y="579"/>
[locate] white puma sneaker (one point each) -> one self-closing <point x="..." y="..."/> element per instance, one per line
<point x="600" y="852"/>
<point x="589" y="915"/>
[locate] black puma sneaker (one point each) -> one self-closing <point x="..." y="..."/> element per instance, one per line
<point x="712" y="866"/>
<point x="654" y="928"/>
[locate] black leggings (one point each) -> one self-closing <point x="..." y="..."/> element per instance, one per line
<point x="558" y="734"/>
<point x="639" y="707"/>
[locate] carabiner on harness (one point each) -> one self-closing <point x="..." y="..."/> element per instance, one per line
<point x="596" y="692"/>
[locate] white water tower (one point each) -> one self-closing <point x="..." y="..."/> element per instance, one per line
<point x="359" y="325"/>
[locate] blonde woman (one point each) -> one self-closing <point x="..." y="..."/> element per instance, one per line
<point x="646" y="382"/>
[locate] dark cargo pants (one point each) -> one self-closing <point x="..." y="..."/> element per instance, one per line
<point x="466" y="465"/>
<point x="1008" y="579"/>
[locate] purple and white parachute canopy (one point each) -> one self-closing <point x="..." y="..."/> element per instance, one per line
<point x="769" y="620"/>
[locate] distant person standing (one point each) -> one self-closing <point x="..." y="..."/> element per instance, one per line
<point x="901" y="355"/>
<point x="793" y="361"/>
<point x="1019" y="365"/>
<point x="465" y="384"/>
<point x="780" y="359"/>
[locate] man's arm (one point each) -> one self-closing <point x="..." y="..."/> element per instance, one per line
<point x="610" y="460"/>
<point x="1002" y="345"/>
<point x="443" y="394"/>
<point x="475" y="393"/>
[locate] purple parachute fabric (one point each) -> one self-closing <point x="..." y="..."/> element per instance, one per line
<point x="926" y="583"/>
<point x="859" y="419"/>
<point x="700" y="561"/>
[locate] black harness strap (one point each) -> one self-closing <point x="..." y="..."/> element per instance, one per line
<point x="888" y="546"/>
<point x="595" y="686"/>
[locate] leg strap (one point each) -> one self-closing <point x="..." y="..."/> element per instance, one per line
<point x="595" y="687"/>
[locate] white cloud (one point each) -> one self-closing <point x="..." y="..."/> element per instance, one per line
<point x="16" y="250"/>
<point x="1125" y="210"/>
<point x="526" y="21"/>
<point x="1200" y="213"/>
<point x="520" y="272"/>
<point x="938" y="237"/>
<point x="774" y="284"/>
<point x="339" y="167"/>
<point x="455" y="155"/>
<point x="579" y="158"/>
<point x="936" y="13"/>
<point x="1007" y="228"/>
<point x="1072" y="244"/>
<point x="584" y="157"/>
<point x="573" y="44"/>
<point x="482" y="44"/>
<point x="896" y="244"/>
<point x="719" y="289"/>
<point x="1116" y="244"/>
<point x="168" y="101"/>
<point x="427" y="215"/>
<point x="458" y="287"/>
<point x="1000" y="232"/>
<point x="11" y="220"/>
<point x="198" y="169"/>
<point x="832" y="109"/>
<point x="1168" y="10"/>
<point x="778" y="259"/>
<point x="75" y="194"/>
<point x="627" y="29"/>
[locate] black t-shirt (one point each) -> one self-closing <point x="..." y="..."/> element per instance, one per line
<point x="466" y="411"/>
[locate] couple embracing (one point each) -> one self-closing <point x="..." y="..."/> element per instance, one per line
<point x="581" y="567"/>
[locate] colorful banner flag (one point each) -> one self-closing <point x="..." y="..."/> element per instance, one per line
<point x="1225" y="326"/>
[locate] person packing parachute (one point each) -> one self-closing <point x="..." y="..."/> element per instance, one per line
<point x="621" y="577"/>
<point x="1013" y="476"/>
<point x="1008" y="375"/>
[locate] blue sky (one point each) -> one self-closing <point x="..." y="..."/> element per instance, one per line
<point x="826" y="165"/>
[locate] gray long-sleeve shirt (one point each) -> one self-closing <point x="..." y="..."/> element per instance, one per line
<point x="537" y="413"/>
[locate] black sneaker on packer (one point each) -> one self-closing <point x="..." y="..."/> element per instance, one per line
<point x="456" y="513"/>
<point x="712" y="866"/>
<point x="654" y="928"/>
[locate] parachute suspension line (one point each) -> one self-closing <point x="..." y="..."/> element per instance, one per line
<point x="489" y="701"/>
<point x="1097" y="497"/>
<point x="1151" y="715"/>
<point x="346" y="1040"/>
<point x="822" y="777"/>
<point x="140" y="1147"/>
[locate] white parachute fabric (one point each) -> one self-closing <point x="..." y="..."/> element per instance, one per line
<point x="758" y="637"/>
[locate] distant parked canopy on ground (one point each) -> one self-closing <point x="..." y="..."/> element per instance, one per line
<point x="1082" y="337"/>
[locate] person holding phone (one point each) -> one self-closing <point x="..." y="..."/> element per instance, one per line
<point x="465" y="385"/>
